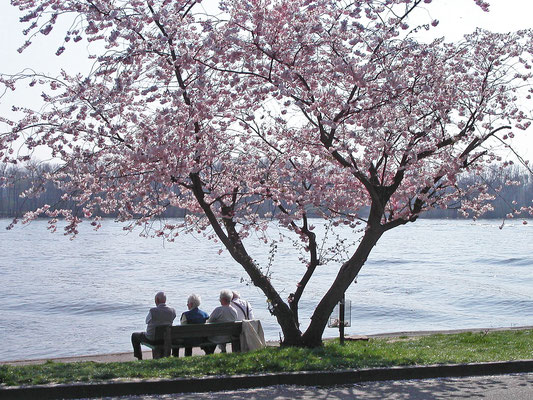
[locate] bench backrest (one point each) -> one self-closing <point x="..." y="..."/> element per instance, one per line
<point x="198" y="330"/>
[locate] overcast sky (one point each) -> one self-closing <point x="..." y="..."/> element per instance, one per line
<point x="456" y="18"/>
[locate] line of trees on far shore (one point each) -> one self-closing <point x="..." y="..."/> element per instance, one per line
<point x="13" y="203"/>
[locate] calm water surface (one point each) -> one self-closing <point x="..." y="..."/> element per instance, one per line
<point x="62" y="297"/>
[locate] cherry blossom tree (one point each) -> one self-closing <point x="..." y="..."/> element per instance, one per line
<point x="323" y="108"/>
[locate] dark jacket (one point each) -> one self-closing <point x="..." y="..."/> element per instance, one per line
<point x="194" y="316"/>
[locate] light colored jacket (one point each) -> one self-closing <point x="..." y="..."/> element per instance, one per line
<point x="244" y="309"/>
<point x="222" y="314"/>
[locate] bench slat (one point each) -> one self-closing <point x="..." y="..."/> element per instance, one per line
<point x="199" y="330"/>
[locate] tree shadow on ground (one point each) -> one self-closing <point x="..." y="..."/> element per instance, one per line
<point x="517" y="386"/>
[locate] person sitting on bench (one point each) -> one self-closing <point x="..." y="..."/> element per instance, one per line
<point x="159" y="315"/>
<point x="243" y="307"/>
<point x="193" y="316"/>
<point x="224" y="313"/>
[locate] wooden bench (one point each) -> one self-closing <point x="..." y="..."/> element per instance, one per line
<point x="173" y="337"/>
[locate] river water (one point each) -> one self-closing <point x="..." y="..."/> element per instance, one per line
<point x="62" y="297"/>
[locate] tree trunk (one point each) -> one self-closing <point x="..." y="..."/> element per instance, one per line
<point x="232" y="241"/>
<point x="287" y="320"/>
<point x="349" y="270"/>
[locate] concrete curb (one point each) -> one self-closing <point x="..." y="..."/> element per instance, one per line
<point x="214" y="384"/>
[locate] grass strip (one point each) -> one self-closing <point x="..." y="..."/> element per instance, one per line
<point x="380" y="352"/>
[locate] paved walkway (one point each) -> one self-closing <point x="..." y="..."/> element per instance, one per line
<point x="498" y="387"/>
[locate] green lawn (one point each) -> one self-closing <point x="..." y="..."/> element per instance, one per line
<point x="423" y="350"/>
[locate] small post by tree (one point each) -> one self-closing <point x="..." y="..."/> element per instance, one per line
<point x="325" y="108"/>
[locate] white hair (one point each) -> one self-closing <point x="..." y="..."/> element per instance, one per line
<point x="194" y="300"/>
<point x="227" y="295"/>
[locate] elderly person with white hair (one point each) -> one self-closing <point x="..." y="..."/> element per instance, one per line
<point x="193" y="316"/>
<point x="243" y="307"/>
<point x="223" y="313"/>
<point x="159" y="315"/>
